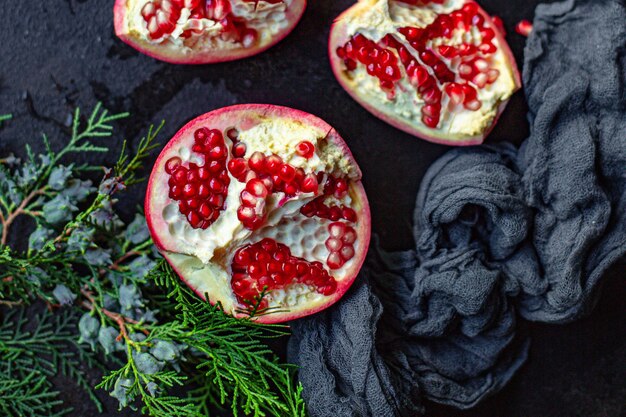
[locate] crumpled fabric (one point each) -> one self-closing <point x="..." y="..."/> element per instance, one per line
<point x="502" y="235"/>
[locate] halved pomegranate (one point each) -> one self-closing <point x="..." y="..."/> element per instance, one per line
<point x="260" y="205"/>
<point x="204" y="31"/>
<point x="437" y="69"/>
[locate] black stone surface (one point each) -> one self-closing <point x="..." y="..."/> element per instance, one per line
<point x="58" y="54"/>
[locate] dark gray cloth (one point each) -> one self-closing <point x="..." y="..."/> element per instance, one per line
<point x="501" y="234"/>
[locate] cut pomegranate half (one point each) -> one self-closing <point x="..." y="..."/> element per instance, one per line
<point x="437" y="69"/>
<point x="204" y="31"/>
<point x="260" y="206"/>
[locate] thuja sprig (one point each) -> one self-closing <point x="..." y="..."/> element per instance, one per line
<point x="120" y="298"/>
<point x="31" y="352"/>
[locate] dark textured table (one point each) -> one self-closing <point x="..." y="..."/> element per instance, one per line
<point x="58" y="54"/>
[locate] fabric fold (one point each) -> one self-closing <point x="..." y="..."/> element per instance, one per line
<point x="502" y="235"/>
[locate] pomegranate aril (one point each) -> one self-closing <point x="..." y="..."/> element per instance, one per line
<point x="216" y="186"/>
<point x="349" y="236"/>
<point x="204" y="191"/>
<point x="349" y="214"/>
<point x="278" y="278"/>
<point x="189" y="190"/>
<point x="217" y="152"/>
<point x="216" y="200"/>
<point x="175" y="192"/>
<point x="336" y="229"/>
<point x="273" y="164"/>
<point x="194" y="219"/>
<point x="431" y="110"/>
<point x="309" y="184"/>
<point x="257" y="162"/>
<point x="192" y="203"/>
<point x="347" y="253"/>
<point x="237" y="167"/>
<point x="180" y="175"/>
<point x="205" y="211"/>
<point x="492" y="75"/>
<point x="333" y="244"/>
<point x="305" y="149"/>
<point x="172" y="164"/>
<point x="287" y="172"/>
<point x="429" y="121"/>
<point x="233" y="134"/>
<point x="239" y="150"/>
<point x="257" y="188"/>
<point x="334" y="261"/>
<point x="473" y="105"/>
<point x="334" y="213"/>
<point x="242" y="256"/>
<point x="290" y="189"/>
<point x="524" y="27"/>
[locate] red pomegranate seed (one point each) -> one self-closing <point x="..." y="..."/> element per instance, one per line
<point x="273" y="164"/>
<point x="194" y="219"/>
<point x="239" y="150"/>
<point x="524" y="28"/>
<point x="247" y="199"/>
<point x="257" y="188"/>
<point x="309" y="184"/>
<point x="217" y="152"/>
<point x="287" y="173"/>
<point x="172" y="164"/>
<point x="204" y="191"/>
<point x="305" y="149"/>
<point x="232" y="134"/>
<point x="257" y="162"/>
<point x="431" y="122"/>
<point x="334" y="261"/>
<point x="237" y="167"/>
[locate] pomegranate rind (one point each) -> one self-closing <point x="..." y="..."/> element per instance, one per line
<point x="339" y="36"/>
<point x="174" y="55"/>
<point x="222" y="119"/>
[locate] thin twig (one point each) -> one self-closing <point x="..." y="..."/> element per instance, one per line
<point x="116" y="265"/>
<point x="116" y="317"/>
<point x="21" y="209"/>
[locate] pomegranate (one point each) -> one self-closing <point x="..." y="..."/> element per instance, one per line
<point x="260" y="206"/>
<point x="204" y="31"/>
<point x="437" y="69"/>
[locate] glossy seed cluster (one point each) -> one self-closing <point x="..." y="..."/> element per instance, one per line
<point x="161" y="16"/>
<point x="433" y="68"/>
<point x="340" y="244"/>
<point x="338" y="188"/>
<point x="201" y="191"/>
<point x="268" y="265"/>
<point x="263" y="175"/>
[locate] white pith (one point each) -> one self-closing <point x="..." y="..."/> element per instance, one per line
<point x="375" y="19"/>
<point x="206" y="255"/>
<point x="267" y="19"/>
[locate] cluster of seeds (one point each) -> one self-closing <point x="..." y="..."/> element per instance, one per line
<point x="161" y="17"/>
<point x="264" y="175"/>
<point x="337" y="187"/>
<point x="379" y="62"/>
<point x="340" y="244"/>
<point x="201" y="190"/>
<point x="432" y="71"/>
<point x="268" y="265"/>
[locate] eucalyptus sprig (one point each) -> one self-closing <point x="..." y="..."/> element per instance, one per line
<point x="113" y="302"/>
